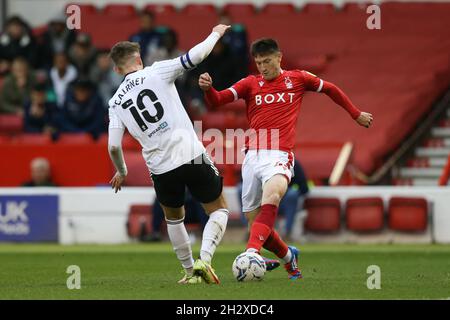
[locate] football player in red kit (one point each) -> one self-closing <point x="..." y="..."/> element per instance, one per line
<point x="273" y="101"/>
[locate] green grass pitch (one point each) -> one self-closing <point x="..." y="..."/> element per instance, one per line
<point x="150" y="271"/>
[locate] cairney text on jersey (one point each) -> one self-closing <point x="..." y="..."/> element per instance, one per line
<point x="131" y="83"/>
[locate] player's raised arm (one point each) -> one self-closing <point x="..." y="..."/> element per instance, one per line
<point x="172" y="69"/>
<point x="313" y="83"/>
<point x="115" y="134"/>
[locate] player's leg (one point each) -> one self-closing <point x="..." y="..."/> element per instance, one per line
<point x="271" y="264"/>
<point x="205" y="184"/>
<point x="275" y="176"/>
<point x="273" y="192"/>
<point x="170" y="189"/>
<point x="263" y="223"/>
<point x="180" y="241"/>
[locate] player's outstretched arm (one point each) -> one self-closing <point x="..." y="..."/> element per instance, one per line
<point x="172" y="69"/>
<point x="338" y="96"/>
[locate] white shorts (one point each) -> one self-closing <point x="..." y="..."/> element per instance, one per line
<point x="258" y="167"/>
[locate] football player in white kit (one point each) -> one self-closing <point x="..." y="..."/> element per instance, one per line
<point x="148" y="105"/>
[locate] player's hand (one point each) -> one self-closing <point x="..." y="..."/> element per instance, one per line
<point x="205" y="81"/>
<point x="221" y="29"/>
<point x="117" y="181"/>
<point x="365" y="119"/>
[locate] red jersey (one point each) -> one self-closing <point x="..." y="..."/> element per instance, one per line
<point x="273" y="105"/>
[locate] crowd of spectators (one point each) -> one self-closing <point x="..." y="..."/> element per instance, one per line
<point x="59" y="82"/>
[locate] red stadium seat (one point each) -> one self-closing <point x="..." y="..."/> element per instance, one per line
<point x="235" y="10"/>
<point x="139" y="223"/>
<point x="324" y="214"/>
<point x="319" y="8"/>
<point x="130" y="143"/>
<point x="33" y="138"/>
<point x="4" y="139"/>
<point x="278" y="8"/>
<point x="408" y="214"/>
<point x="218" y="120"/>
<point x="199" y="9"/>
<point x="238" y="106"/>
<point x="75" y="138"/>
<point x="10" y="124"/>
<point x="159" y="9"/>
<point x="120" y="10"/>
<point x="85" y="9"/>
<point x="355" y="8"/>
<point x="103" y="139"/>
<point x="138" y="174"/>
<point x="364" y="214"/>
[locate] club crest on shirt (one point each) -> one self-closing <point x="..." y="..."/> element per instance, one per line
<point x="288" y="83"/>
<point x="261" y="83"/>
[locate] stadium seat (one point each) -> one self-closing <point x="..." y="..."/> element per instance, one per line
<point x="199" y="9"/>
<point x="218" y="120"/>
<point x="238" y="106"/>
<point x="364" y="214"/>
<point x="32" y="138"/>
<point x="139" y="222"/>
<point x="160" y="9"/>
<point x="318" y="8"/>
<point x="4" y="139"/>
<point x="75" y="138"/>
<point x="355" y="8"/>
<point x="324" y="215"/>
<point x="278" y="9"/>
<point x="119" y="10"/>
<point x="408" y="214"/>
<point x="10" y="124"/>
<point x="130" y="143"/>
<point x="138" y="174"/>
<point x="85" y="9"/>
<point x="238" y="10"/>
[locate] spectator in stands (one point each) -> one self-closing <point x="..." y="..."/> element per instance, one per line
<point x="292" y="201"/>
<point x="39" y="112"/>
<point x="148" y="36"/>
<point x="222" y="65"/>
<point x="40" y="174"/>
<point x="168" y="49"/>
<point x="82" y="54"/>
<point x="16" y="41"/>
<point x="194" y="214"/>
<point x="103" y="75"/>
<point x="57" y="39"/>
<point x="83" y="110"/>
<point x="17" y="87"/>
<point x="237" y="40"/>
<point x="61" y="75"/>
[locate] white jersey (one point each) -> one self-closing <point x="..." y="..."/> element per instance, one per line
<point x="148" y="105"/>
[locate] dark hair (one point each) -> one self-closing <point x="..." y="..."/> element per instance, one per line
<point x="122" y="51"/>
<point x="265" y="46"/>
<point x="40" y="87"/>
<point x="83" y="83"/>
<point x="148" y="13"/>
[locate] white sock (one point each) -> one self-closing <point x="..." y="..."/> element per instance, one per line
<point x="181" y="244"/>
<point x="213" y="233"/>
<point x="287" y="258"/>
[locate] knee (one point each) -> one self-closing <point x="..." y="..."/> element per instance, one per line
<point x="273" y="198"/>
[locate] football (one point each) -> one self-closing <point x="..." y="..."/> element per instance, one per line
<point x="249" y="266"/>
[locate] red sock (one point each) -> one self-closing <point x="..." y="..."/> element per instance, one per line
<point x="262" y="226"/>
<point x="276" y="245"/>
